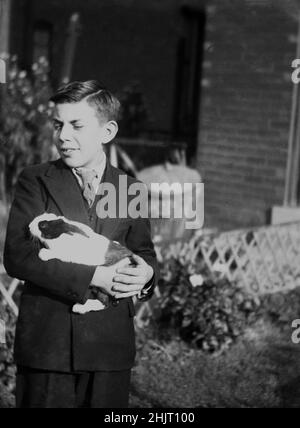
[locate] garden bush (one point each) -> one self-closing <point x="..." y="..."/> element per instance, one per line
<point x="206" y="311"/>
<point x="25" y="129"/>
<point x="7" y="367"/>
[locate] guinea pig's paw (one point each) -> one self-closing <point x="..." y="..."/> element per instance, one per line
<point x="45" y="255"/>
<point x="79" y="309"/>
<point x="89" y="306"/>
<point x="95" y="305"/>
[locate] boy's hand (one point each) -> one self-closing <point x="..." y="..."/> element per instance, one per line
<point x="130" y="280"/>
<point x="104" y="275"/>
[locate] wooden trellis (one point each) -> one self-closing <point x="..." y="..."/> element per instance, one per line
<point x="263" y="260"/>
<point x="8" y="292"/>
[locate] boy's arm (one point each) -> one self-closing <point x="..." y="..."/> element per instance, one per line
<point x="68" y="281"/>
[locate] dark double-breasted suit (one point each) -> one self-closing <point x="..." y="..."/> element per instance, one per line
<point x="49" y="336"/>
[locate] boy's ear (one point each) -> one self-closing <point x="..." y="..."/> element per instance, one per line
<point x="112" y="129"/>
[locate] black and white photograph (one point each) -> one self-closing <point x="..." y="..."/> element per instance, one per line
<point x="149" y="206"/>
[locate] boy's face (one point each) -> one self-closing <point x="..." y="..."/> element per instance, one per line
<point x="79" y="134"/>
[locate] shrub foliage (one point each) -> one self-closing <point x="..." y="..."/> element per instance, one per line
<point x="25" y="130"/>
<point x="210" y="314"/>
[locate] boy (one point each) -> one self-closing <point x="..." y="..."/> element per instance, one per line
<point x="65" y="359"/>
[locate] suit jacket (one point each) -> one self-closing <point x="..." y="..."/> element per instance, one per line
<point x="48" y="335"/>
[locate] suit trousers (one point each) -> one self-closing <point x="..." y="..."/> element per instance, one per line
<point x="42" y="389"/>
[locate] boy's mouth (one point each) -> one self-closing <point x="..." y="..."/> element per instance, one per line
<point x="66" y="151"/>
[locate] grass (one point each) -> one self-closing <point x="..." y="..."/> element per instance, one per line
<point x="262" y="370"/>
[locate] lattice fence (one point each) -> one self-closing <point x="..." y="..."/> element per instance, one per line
<point x="8" y="292"/>
<point x="263" y="260"/>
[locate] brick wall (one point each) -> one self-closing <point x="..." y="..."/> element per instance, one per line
<point x="245" y="111"/>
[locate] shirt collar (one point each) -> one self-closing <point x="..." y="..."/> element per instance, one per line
<point x="99" y="168"/>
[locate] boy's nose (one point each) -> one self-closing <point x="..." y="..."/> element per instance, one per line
<point x="65" y="134"/>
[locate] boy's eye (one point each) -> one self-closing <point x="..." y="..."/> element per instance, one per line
<point x="57" y="126"/>
<point x="78" y="127"/>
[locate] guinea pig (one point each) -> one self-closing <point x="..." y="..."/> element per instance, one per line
<point x="74" y="242"/>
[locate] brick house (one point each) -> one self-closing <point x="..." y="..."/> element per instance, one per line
<point x="216" y="74"/>
<point x="246" y="110"/>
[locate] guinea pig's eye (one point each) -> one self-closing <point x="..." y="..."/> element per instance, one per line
<point x="43" y="225"/>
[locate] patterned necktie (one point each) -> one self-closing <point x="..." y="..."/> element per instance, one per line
<point x="88" y="176"/>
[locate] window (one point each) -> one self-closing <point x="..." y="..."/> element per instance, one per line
<point x="42" y="41"/>
<point x="188" y="77"/>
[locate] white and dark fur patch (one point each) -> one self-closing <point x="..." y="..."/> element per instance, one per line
<point x="74" y="242"/>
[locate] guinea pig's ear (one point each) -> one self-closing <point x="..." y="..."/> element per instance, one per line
<point x="61" y="226"/>
<point x="71" y="229"/>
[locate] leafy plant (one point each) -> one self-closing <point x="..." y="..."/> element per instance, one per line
<point x="25" y="131"/>
<point x="7" y="367"/>
<point x="206" y="311"/>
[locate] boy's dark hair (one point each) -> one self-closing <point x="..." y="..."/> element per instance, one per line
<point x="104" y="102"/>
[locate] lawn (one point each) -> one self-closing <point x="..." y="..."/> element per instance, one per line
<point x="261" y="370"/>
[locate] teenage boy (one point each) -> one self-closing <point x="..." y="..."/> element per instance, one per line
<point x="65" y="359"/>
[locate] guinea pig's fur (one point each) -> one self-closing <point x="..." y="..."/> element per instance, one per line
<point x="74" y="242"/>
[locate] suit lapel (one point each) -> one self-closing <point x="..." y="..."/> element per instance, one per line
<point x="64" y="189"/>
<point x="109" y="225"/>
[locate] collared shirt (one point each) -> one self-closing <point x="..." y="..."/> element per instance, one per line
<point x="99" y="170"/>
